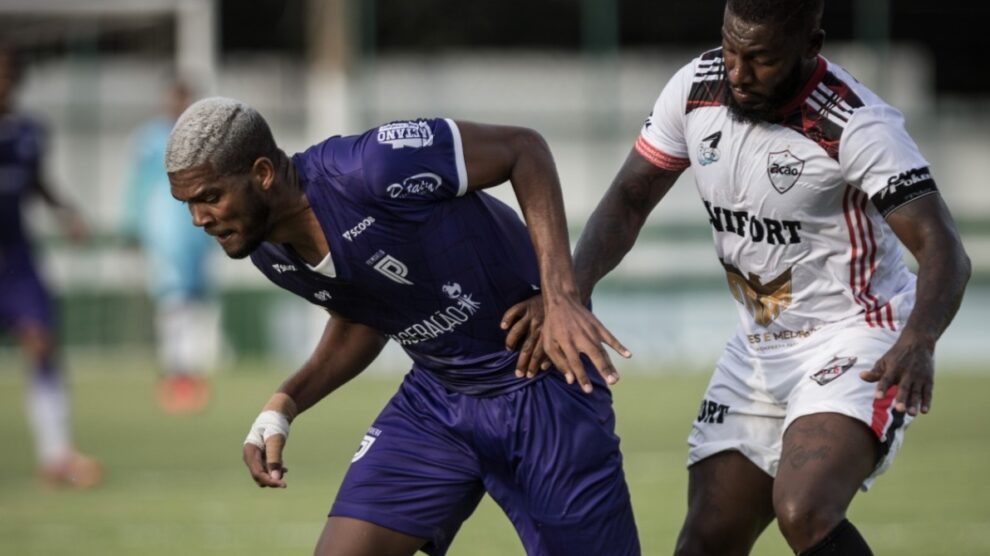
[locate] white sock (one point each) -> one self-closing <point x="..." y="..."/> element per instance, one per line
<point x="48" y="414"/>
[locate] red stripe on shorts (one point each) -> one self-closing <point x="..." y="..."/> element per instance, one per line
<point x="881" y="412"/>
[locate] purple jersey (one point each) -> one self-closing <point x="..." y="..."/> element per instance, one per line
<point x="20" y="166"/>
<point x="413" y="256"/>
<point x="23" y="298"/>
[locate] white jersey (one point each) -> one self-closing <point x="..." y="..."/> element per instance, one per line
<point x="797" y="207"/>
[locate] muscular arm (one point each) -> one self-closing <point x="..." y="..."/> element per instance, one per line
<point x="616" y="221"/>
<point x="345" y="349"/>
<point x="494" y="154"/>
<point x="926" y="228"/>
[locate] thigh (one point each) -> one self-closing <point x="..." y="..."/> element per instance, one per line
<point x="413" y="473"/>
<point x="24" y="302"/>
<point x="729" y="505"/>
<point x="738" y="414"/>
<point x="558" y="472"/>
<point x="830" y="385"/>
<point x="344" y="536"/>
<point x="825" y="459"/>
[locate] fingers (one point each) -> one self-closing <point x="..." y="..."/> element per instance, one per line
<point x="613" y="342"/>
<point x="525" y="355"/>
<point x="513" y="314"/>
<point x="538" y="361"/>
<point x="926" y="397"/>
<point x="273" y="458"/>
<point x="519" y="329"/>
<point x="264" y="472"/>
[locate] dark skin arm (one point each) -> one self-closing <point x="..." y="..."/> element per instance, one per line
<point x="926" y="228"/>
<point x="68" y="217"/>
<point x="495" y="154"/>
<point x="609" y="234"/>
<point x="345" y="349"/>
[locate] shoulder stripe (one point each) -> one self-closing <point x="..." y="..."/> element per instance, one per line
<point x="708" y="88"/>
<point x="659" y="158"/>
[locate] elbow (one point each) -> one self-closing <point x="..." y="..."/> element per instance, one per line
<point x="529" y="141"/>
<point x="965" y="266"/>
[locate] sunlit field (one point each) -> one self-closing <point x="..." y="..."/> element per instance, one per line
<point x="176" y="485"/>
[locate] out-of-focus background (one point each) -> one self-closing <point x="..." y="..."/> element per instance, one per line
<point x="585" y="74"/>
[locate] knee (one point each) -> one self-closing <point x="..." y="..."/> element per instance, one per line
<point x="803" y="521"/>
<point x="711" y="537"/>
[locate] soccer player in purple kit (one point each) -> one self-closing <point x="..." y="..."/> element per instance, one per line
<point x="389" y="232"/>
<point x="25" y="306"/>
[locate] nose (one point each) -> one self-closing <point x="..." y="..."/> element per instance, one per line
<point x="200" y="216"/>
<point x="739" y="73"/>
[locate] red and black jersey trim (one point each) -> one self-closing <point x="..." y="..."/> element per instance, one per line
<point x="709" y="86"/>
<point x="824" y="112"/>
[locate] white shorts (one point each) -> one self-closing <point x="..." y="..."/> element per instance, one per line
<point x="753" y="397"/>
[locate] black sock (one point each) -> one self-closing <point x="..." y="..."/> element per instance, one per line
<point x="844" y="540"/>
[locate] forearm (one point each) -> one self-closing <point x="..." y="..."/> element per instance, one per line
<point x="609" y="234"/>
<point x="943" y="271"/>
<point x="344" y="351"/>
<point x="537" y="188"/>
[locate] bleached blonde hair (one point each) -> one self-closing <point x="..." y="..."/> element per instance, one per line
<point x="223" y="132"/>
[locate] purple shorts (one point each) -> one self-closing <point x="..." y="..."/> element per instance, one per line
<point x="23" y="298"/>
<point x="546" y="453"/>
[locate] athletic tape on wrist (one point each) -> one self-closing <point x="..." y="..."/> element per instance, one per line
<point x="268" y="424"/>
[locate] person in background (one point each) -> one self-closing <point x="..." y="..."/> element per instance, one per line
<point x="25" y="305"/>
<point x="186" y="331"/>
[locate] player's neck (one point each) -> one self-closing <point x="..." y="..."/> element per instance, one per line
<point x="298" y="227"/>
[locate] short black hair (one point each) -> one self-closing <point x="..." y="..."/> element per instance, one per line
<point x="788" y="15"/>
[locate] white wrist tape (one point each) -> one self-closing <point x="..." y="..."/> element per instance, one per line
<point x="268" y="424"/>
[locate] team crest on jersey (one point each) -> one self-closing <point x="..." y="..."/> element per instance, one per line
<point x="784" y="170"/>
<point x="406" y="134"/>
<point x="833" y="370"/>
<point x="708" y="152"/>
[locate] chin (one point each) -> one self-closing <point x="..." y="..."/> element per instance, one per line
<point x="752" y="114"/>
<point x="241" y="251"/>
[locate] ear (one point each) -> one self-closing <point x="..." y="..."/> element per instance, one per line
<point x="815" y="43"/>
<point x="263" y="173"/>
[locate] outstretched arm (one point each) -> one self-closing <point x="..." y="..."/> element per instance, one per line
<point x="68" y="217"/>
<point x="495" y="154"/>
<point x="345" y="349"/>
<point x="926" y="228"/>
<point x="614" y="225"/>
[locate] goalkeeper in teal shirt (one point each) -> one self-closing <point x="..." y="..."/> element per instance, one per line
<point x="176" y="254"/>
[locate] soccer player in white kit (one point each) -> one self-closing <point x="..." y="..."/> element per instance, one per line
<point x="810" y="184"/>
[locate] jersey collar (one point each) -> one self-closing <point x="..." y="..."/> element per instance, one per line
<point x="813" y="81"/>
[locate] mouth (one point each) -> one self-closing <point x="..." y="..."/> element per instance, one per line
<point x="746" y="97"/>
<point x="224" y="236"/>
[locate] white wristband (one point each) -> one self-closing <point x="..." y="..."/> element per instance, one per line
<point x="268" y="424"/>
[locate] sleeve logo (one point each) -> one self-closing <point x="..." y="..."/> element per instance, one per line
<point x="419" y="184"/>
<point x="406" y="134"/>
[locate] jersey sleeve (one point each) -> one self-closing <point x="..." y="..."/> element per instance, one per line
<point x="877" y="156"/>
<point x="662" y="141"/>
<point x="413" y="161"/>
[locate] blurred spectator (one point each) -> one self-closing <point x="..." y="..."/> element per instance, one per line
<point x="175" y="253"/>
<point x="25" y="305"/>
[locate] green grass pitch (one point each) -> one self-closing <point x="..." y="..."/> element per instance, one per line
<point x="175" y="485"/>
